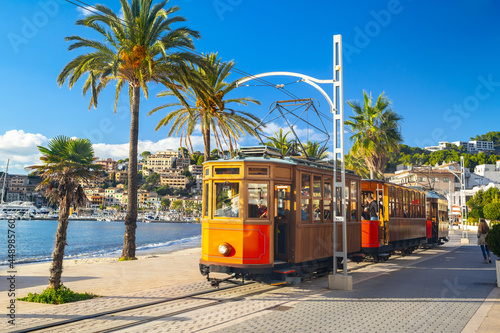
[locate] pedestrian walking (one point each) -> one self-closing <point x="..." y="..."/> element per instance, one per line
<point x="482" y="231"/>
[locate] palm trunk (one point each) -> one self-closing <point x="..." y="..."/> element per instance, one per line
<point x="58" y="254"/>
<point x="372" y="174"/>
<point x="206" y="141"/>
<point x="128" y="251"/>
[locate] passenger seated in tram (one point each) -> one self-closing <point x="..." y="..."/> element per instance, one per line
<point x="261" y="210"/>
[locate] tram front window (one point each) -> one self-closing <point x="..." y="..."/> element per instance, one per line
<point x="227" y="201"/>
<point x="257" y="201"/>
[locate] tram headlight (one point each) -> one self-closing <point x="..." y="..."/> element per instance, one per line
<point x="225" y="249"/>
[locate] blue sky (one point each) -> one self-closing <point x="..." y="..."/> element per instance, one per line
<point x="436" y="60"/>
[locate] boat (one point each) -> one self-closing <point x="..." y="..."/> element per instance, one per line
<point x="18" y="210"/>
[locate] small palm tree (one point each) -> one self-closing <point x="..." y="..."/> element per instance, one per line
<point x="280" y="142"/>
<point x="67" y="163"/>
<point x="315" y="151"/>
<point x="202" y="98"/>
<point x="134" y="52"/>
<point x="377" y="132"/>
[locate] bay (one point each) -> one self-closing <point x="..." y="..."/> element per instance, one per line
<point x="34" y="240"/>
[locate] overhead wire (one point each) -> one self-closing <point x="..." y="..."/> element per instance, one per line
<point x="243" y="73"/>
<point x="234" y="69"/>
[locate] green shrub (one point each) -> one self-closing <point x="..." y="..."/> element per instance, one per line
<point x="59" y="296"/>
<point x="492" y="211"/>
<point x="493" y="239"/>
<point x="476" y="212"/>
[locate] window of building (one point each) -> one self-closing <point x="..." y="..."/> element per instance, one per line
<point x="446" y="179"/>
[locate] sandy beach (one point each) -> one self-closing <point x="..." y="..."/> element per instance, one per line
<point x="106" y="276"/>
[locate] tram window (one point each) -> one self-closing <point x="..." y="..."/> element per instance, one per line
<point x="257" y="201"/>
<point x="327" y="210"/>
<point x="317" y="186"/>
<point x="227" y="199"/>
<point x="205" y="209"/>
<point x="317" y="210"/>
<point x="207" y="171"/>
<point x="327" y="188"/>
<point x="304" y="210"/>
<point x="227" y="171"/>
<point x="257" y="171"/>
<point x="354" y="201"/>
<point x="339" y="201"/>
<point x="306" y="183"/>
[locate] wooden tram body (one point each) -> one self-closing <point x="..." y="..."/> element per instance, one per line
<point x="294" y="237"/>
<point x="437" y="218"/>
<point x="267" y="218"/>
<point x="402" y="223"/>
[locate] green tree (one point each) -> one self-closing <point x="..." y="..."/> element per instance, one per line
<point x="165" y="203"/>
<point x="66" y="164"/>
<point x="313" y="150"/>
<point x="280" y="142"/>
<point x="177" y="205"/>
<point x="204" y="100"/>
<point x="377" y="132"/>
<point x="357" y="164"/>
<point x="490" y="136"/>
<point x="145" y="155"/>
<point x="132" y="53"/>
<point x="492" y="211"/>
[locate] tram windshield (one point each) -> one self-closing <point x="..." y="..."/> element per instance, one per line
<point x="227" y="200"/>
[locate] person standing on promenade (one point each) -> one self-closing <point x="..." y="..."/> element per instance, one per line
<point x="372" y="208"/>
<point x="482" y="231"/>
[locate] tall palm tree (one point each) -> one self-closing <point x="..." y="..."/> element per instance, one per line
<point x="134" y="51"/>
<point x="312" y="149"/>
<point x="203" y="100"/>
<point x="377" y="132"/>
<point x="280" y="142"/>
<point x="357" y="164"/>
<point x="67" y="163"/>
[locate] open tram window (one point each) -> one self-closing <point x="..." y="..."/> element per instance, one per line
<point x="327" y="210"/>
<point x="304" y="210"/>
<point x="339" y="201"/>
<point x="317" y="186"/>
<point x="305" y="189"/>
<point x="206" y="203"/>
<point x="327" y="188"/>
<point x="317" y="210"/>
<point x="354" y="201"/>
<point x="227" y="199"/>
<point x="257" y="201"/>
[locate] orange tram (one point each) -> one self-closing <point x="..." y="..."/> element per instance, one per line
<point x="270" y="219"/>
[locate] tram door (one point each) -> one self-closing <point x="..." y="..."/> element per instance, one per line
<point x="281" y="219"/>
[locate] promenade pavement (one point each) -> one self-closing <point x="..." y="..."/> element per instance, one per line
<point x="445" y="289"/>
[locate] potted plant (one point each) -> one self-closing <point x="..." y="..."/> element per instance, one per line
<point x="493" y="240"/>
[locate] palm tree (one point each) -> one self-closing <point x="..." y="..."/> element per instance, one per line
<point x="376" y="132"/>
<point x="134" y="51"/>
<point x="313" y="150"/>
<point x="204" y="101"/>
<point x="67" y="163"/>
<point x="357" y="164"/>
<point x="280" y="142"/>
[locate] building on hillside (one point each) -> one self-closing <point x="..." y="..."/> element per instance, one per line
<point x="198" y="185"/>
<point x="195" y="169"/>
<point x="108" y="165"/>
<point x="22" y="188"/>
<point x="173" y="180"/>
<point x="489" y="172"/>
<point x="182" y="163"/>
<point x="121" y="176"/>
<point x="112" y="196"/>
<point x="471" y="146"/>
<point x="162" y="160"/>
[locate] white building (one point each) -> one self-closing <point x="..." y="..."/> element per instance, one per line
<point x="161" y="161"/>
<point x="471" y="146"/>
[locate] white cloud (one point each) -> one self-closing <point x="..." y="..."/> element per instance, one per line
<point x="120" y="151"/>
<point x="86" y="10"/>
<point x="21" y="149"/>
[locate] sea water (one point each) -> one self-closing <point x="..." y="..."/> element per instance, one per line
<point x="34" y="240"/>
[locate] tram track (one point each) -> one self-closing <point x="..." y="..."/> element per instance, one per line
<point x="127" y="317"/>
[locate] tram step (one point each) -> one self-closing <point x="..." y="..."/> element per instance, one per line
<point x="284" y="271"/>
<point x="277" y="283"/>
